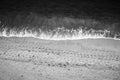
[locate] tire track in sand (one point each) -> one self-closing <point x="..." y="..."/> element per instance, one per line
<point x="41" y="55"/>
<point x="44" y="55"/>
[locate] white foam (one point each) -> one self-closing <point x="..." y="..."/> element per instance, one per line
<point x="60" y="34"/>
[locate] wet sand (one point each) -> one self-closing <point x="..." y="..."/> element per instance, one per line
<point x="35" y="59"/>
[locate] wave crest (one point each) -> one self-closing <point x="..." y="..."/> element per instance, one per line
<point x="58" y="34"/>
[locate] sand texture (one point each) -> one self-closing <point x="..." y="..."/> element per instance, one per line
<point x="35" y="59"/>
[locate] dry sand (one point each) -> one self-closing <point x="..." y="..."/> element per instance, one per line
<point x="35" y="59"/>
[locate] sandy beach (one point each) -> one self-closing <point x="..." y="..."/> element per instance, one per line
<point x="35" y="59"/>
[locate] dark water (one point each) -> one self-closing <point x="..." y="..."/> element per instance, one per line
<point x="50" y="14"/>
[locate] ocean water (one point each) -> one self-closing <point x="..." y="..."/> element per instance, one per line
<point x="63" y="18"/>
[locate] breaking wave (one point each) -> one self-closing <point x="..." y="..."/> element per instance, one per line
<point x="59" y="34"/>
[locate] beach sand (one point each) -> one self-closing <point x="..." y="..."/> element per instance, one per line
<point x="36" y="59"/>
